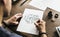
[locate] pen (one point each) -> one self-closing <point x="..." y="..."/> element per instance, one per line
<point x="23" y="2"/>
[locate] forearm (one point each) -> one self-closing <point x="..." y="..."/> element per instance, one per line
<point x="7" y="5"/>
<point x="1" y="15"/>
<point x="43" y="32"/>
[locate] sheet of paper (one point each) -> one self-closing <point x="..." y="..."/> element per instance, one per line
<point x="42" y="4"/>
<point x="26" y="24"/>
<point x="55" y="4"/>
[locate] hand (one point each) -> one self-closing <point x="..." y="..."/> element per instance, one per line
<point x="40" y="24"/>
<point x="13" y="19"/>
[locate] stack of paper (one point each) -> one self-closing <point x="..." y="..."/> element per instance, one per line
<point x="55" y="4"/>
<point x="42" y="4"/>
<point x="26" y="24"/>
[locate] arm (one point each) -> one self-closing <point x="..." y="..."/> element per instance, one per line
<point x="40" y="24"/>
<point x="8" y="5"/>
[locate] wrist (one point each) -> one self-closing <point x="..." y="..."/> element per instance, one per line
<point x="43" y="30"/>
<point x="43" y="34"/>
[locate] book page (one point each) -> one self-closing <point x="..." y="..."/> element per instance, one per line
<point x="26" y="24"/>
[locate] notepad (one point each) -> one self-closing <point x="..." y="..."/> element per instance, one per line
<point x="26" y="24"/>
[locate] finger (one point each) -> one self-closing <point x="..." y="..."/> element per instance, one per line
<point x="37" y="26"/>
<point x="15" y="23"/>
<point x="38" y="21"/>
<point x="18" y="16"/>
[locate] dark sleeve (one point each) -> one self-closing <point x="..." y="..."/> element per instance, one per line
<point x="3" y="33"/>
<point x="6" y="33"/>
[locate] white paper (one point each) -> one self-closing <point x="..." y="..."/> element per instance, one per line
<point x="55" y="4"/>
<point x="43" y="4"/>
<point x="27" y="22"/>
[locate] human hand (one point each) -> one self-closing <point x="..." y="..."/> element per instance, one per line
<point x="40" y="24"/>
<point x="13" y="19"/>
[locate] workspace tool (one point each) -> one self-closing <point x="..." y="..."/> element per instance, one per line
<point x="23" y="2"/>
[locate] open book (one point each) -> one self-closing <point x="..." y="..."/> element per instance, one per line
<point x="26" y="24"/>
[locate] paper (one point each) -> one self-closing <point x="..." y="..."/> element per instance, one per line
<point x="26" y="24"/>
<point x="43" y="4"/>
<point x="55" y="4"/>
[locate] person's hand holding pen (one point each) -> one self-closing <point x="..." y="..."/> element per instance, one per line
<point x="41" y="26"/>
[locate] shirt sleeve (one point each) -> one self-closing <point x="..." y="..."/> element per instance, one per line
<point x="6" y="33"/>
